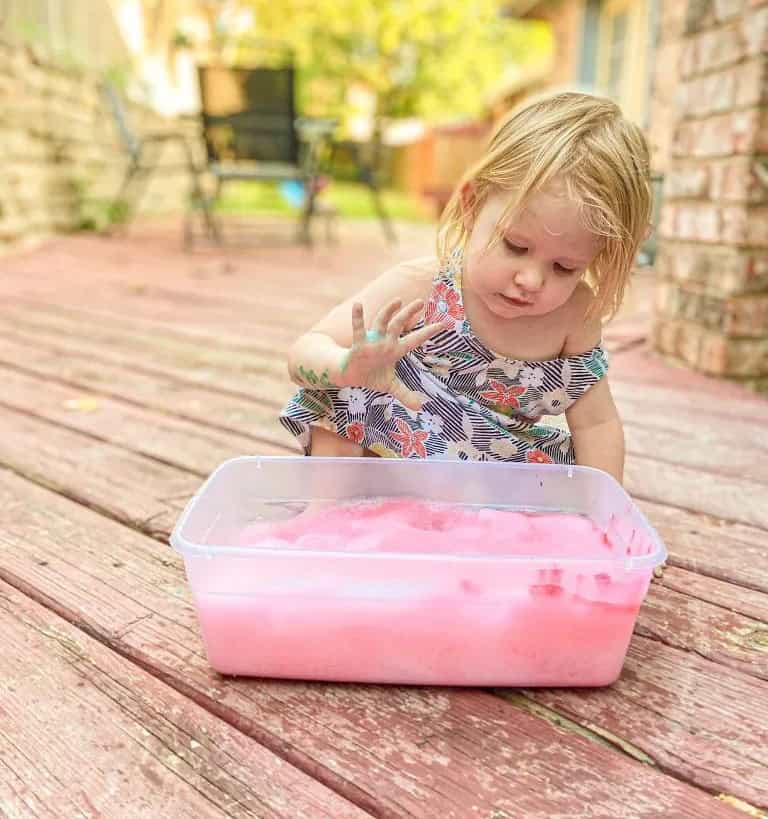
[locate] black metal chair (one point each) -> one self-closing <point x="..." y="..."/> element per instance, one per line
<point x="252" y="132"/>
<point x="144" y="151"/>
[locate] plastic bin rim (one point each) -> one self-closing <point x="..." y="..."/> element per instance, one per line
<point x="186" y="548"/>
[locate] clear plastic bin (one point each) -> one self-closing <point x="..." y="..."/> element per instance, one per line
<point x="439" y="616"/>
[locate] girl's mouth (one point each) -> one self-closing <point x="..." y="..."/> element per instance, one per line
<point x="515" y="302"/>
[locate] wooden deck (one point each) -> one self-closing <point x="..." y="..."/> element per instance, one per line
<point x="129" y="371"/>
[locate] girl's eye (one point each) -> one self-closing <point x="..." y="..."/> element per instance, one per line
<point x="515" y="248"/>
<point x="561" y="269"/>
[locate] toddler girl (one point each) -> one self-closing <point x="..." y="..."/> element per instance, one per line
<point x="462" y="355"/>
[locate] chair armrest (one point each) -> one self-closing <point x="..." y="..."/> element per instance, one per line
<point x="158" y="138"/>
<point x="311" y="129"/>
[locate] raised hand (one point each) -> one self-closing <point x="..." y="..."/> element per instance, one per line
<point x="371" y="360"/>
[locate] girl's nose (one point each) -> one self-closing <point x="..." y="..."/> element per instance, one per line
<point x="529" y="278"/>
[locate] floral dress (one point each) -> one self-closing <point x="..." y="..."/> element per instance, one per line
<point x="479" y="406"/>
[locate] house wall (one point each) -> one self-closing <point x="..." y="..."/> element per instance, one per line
<point x="712" y="290"/>
<point x="667" y="49"/>
<point x="62" y="161"/>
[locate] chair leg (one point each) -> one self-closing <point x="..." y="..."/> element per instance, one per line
<point x="121" y="198"/>
<point x="386" y="224"/>
<point x="200" y="201"/>
<point x="308" y="211"/>
<point x="212" y="225"/>
<point x="198" y="198"/>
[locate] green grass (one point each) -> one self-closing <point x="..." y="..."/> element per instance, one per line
<point x="352" y="201"/>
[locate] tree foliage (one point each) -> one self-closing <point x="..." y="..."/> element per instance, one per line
<point x="429" y="58"/>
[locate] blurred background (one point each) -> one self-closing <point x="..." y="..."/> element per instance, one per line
<point x="330" y="111"/>
<point x="425" y="79"/>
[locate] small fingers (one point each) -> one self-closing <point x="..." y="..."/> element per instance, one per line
<point x="403" y="318"/>
<point x="358" y="324"/>
<point x="418" y="337"/>
<point x="384" y="316"/>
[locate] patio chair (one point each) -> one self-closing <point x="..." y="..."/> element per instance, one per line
<point x="144" y="151"/>
<point x="252" y="133"/>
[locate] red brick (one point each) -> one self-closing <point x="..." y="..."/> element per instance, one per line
<point x="699" y="15"/>
<point x="682" y="139"/>
<point x="689" y="59"/>
<point x="735" y="180"/>
<point x="665" y="335"/>
<point x="713" y="354"/>
<point x="720" y="270"/>
<point x="734" y="221"/>
<point x="686" y="222"/>
<point x="747" y="316"/>
<point x="689" y="343"/>
<point x="728" y="9"/>
<point x="668" y="221"/>
<point x="700" y="307"/>
<point x="748" y="356"/>
<point x="720" y="47"/>
<point x="719" y="354"/>
<point x="719" y="135"/>
<point x="712" y="93"/>
<point x="695" y="221"/>
<point x="761" y="137"/>
<point x="757" y="271"/>
<point x="750" y="82"/>
<point x="757" y="227"/>
<point x="687" y="182"/>
<point x="755" y="29"/>
<point x="666" y="298"/>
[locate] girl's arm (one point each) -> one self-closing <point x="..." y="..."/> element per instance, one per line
<point x="597" y="431"/>
<point x="338" y="350"/>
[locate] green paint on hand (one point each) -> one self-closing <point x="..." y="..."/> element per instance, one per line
<point x="312" y="379"/>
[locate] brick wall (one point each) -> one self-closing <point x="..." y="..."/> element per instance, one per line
<point x="712" y="293"/>
<point x="60" y="156"/>
<point x="667" y="49"/>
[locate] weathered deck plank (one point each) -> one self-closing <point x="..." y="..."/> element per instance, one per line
<point x="150" y="619"/>
<point x="677" y="618"/>
<point x="88" y="733"/>
<point x="176" y="441"/>
<point x="186" y="369"/>
<point x="697" y="485"/>
<point x="416" y="752"/>
<point x="184" y="340"/>
<point x="729" y="596"/>
<point x="193" y="364"/>
<point x="144" y="493"/>
<point x="668" y="615"/>
<point x="208" y="406"/>
<point x="716" y="548"/>
<point x="138" y="430"/>
<point x="712" y="739"/>
<point x="740" y="556"/>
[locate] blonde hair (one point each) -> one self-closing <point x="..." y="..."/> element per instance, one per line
<point x="602" y="159"/>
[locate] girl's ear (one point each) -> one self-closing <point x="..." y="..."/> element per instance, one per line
<point x="648" y="232"/>
<point x="468" y="201"/>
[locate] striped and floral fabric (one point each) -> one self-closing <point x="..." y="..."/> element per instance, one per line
<point x="479" y="407"/>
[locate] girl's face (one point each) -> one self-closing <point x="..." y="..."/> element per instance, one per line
<point x="536" y="266"/>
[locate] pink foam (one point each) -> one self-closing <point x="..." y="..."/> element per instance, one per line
<point x="414" y="526"/>
<point x="481" y="620"/>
